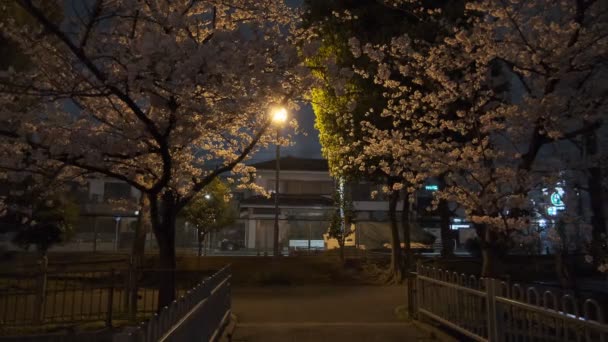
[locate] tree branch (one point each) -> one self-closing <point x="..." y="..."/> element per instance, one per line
<point x="198" y="186"/>
<point x="82" y="57"/>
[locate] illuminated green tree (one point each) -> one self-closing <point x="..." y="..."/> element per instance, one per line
<point x="342" y="99"/>
<point x="210" y="211"/>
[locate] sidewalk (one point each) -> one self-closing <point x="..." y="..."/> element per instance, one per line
<point x="321" y="313"/>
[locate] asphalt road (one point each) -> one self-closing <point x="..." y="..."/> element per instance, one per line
<point x="321" y="313"/>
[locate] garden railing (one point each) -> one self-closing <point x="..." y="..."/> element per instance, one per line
<point x="52" y="297"/>
<point x="486" y="309"/>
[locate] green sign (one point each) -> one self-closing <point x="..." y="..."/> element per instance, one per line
<point x="556" y="197"/>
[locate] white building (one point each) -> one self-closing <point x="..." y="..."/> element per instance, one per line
<point x="305" y="204"/>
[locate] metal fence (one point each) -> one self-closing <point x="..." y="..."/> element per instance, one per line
<point x="198" y="315"/>
<point x="487" y="309"/>
<point x="46" y="296"/>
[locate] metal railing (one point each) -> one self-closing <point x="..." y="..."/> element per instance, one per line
<point x="56" y="297"/>
<point x="199" y="315"/>
<point x="42" y="297"/>
<point x="486" y="309"/>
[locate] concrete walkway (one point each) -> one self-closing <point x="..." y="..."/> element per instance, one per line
<point x="321" y="313"/>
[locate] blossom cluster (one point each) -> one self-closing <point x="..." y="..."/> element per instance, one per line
<point x="483" y="102"/>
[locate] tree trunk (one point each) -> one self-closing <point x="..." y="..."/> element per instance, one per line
<point x="164" y="230"/>
<point x="396" y="256"/>
<point x="167" y="263"/>
<point x="141" y="230"/>
<point x="564" y="270"/>
<point x="341" y="245"/>
<point x="489" y="253"/>
<point x="596" y="189"/>
<point x="407" y="231"/>
<point x="447" y="245"/>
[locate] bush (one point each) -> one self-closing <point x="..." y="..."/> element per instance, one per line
<point x="473" y="246"/>
<point x="41" y="235"/>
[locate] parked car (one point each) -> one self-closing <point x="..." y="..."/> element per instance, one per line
<point x="416" y="247"/>
<point x="230" y="245"/>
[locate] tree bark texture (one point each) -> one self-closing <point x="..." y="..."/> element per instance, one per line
<point x="141" y="230"/>
<point x="164" y="215"/>
<point x="447" y="245"/>
<point x="396" y="256"/>
<point x="596" y="196"/>
<point x="407" y="231"/>
<point x="489" y="252"/>
<point x="563" y="269"/>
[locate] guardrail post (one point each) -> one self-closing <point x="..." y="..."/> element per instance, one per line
<point x="493" y="335"/>
<point x="41" y="283"/>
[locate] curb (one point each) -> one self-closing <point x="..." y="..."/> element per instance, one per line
<point x="435" y="332"/>
<point x="229" y="329"/>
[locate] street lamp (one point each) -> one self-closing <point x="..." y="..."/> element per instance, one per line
<point x="116" y="234"/>
<point x="279" y="116"/>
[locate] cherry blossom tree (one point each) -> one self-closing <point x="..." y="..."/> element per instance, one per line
<point x="480" y="103"/>
<point x="345" y="96"/>
<point x="340" y="98"/>
<point x="164" y="95"/>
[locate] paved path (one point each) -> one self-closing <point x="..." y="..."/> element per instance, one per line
<point x="321" y="313"/>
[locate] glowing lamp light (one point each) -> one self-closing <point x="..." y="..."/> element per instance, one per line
<point x="207" y="196"/>
<point x="279" y="115"/>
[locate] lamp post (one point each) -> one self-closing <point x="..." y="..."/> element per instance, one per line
<point x="117" y="219"/>
<point x="279" y="116"/>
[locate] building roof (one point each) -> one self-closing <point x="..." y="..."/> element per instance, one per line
<point x="288" y="200"/>
<point x="294" y="164"/>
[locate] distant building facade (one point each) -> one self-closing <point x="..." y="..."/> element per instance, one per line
<point x="306" y="205"/>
